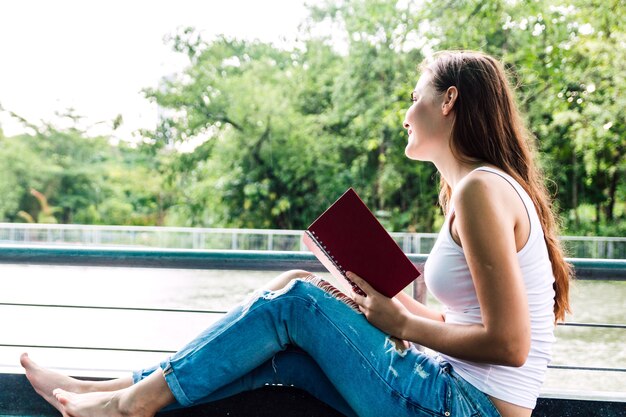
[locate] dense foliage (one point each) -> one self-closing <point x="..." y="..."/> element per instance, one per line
<point x="284" y="132"/>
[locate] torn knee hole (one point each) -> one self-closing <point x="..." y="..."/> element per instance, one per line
<point x="331" y="290"/>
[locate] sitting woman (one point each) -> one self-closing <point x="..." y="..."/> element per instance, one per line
<point x="497" y="267"/>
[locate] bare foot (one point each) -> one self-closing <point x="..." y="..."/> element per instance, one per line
<point x="117" y="397"/>
<point x="44" y="381"/>
<point x="99" y="404"/>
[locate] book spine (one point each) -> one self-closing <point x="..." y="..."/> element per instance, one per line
<point x="326" y="252"/>
<point x="328" y="260"/>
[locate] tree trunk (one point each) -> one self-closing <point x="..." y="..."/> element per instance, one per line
<point x="610" y="205"/>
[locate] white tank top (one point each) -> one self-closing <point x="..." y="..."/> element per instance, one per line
<point x="448" y="278"/>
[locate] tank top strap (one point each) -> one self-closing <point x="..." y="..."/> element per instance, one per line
<point x="533" y="217"/>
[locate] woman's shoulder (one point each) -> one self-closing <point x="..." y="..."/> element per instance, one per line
<point x="484" y="184"/>
<point x="482" y="192"/>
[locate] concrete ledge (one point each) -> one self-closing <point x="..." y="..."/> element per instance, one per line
<point x="17" y="398"/>
<point x="265" y="402"/>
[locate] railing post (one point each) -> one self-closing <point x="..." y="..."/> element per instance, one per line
<point x="303" y="247"/>
<point x="418" y="243"/>
<point x="270" y="241"/>
<point x="419" y="290"/>
<point x="601" y="249"/>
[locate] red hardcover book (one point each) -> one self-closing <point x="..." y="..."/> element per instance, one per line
<point x="348" y="237"/>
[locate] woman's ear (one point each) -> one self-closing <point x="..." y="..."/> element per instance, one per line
<point x="449" y="99"/>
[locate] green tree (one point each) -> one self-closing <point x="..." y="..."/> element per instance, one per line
<point x="567" y="60"/>
<point x="260" y="163"/>
<point x="20" y="173"/>
<point x="279" y="134"/>
<point x="287" y="131"/>
<point x="85" y="180"/>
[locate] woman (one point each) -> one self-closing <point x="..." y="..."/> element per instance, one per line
<point x="496" y="266"/>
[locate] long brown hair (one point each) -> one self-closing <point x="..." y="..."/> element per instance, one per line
<point x="488" y="128"/>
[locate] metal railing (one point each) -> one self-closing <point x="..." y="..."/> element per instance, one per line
<point x="599" y="269"/>
<point x="245" y="239"/>
<point x="197" y="311"/>
<point x="243" y="260"/>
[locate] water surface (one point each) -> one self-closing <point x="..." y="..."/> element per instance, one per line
<point x="593" y="301"/>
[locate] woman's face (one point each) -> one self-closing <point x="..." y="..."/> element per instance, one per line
<point x="425" y="122"/>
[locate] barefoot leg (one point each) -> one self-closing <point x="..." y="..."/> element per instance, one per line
<point x="44" y="381"/>
<point x="143" y="399"/>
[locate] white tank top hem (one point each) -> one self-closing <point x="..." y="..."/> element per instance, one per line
<point x="448" y="278"/>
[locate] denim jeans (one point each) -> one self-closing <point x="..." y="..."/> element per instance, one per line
<point x="311" y="336"/>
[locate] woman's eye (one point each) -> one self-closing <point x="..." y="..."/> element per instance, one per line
<point x="413" y="96"/>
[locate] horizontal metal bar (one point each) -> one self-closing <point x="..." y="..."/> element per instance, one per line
<point x="567" y="367"/>
<point x="586" y="368"/>
<point x="67" y="370"/>
<point x="9" y="345"/>
<point x="158" y="310"/>
<point x="598" y="269"/>
<point x="602" y="325"/>
<point x="178" y="310"/>
<point x="593" y="238"/>
<point x="578" y="396"/>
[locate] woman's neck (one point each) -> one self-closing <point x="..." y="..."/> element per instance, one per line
<point x="453" y="170"/>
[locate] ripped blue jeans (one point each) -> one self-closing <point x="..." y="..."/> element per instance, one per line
<point x="311" y="336"/>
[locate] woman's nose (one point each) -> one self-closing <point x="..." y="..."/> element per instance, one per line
<point x="406" y="125"/>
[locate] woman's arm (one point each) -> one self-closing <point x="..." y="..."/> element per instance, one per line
<point x="487" y="213"/>
<point x="417" y="308"/>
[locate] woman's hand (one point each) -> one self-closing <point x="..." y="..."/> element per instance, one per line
<point x="387" y="314"/>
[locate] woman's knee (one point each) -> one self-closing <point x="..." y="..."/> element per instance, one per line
<point x="284" y="279"/>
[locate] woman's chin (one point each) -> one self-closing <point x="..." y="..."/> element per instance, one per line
<point x="415" y="156"/>
<point x="412" y="153"/>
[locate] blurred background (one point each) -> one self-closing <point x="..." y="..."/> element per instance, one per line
<point x="259" y="114"/>
<point x="233" y="125"/>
